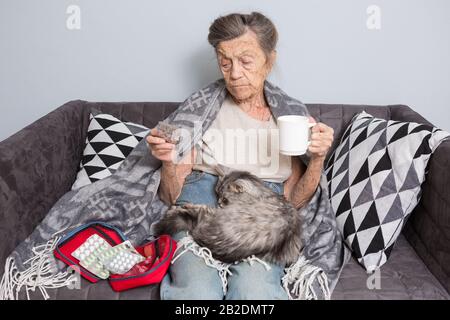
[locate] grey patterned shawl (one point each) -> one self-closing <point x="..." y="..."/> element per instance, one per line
<point x="128" y="199"/>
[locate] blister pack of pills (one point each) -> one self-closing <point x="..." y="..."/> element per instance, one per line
<point x="121" y="258"/>
<point x="100" y="258"/>
<point x="89" y="252"/>
<point x="93" y="265"/>
<point x="94" y="243"/>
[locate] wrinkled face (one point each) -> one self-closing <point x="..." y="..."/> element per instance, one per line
<point x="244" y="65"/>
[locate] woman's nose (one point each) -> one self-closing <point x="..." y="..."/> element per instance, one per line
<point x="236" y="71"/>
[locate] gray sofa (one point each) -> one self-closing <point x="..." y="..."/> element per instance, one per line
<point x="39" y="163"/>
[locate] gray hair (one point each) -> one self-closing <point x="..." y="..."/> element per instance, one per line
<point x="235" y="25"/>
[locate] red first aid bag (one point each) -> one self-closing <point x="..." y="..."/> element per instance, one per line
<point x="158" y="254"/>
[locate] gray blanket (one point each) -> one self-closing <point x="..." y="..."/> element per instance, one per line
<point x="129" y="200"/>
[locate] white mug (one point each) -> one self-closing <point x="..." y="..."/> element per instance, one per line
<point x="294" y="134"/>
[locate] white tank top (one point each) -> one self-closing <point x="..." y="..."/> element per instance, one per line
<point x="241" y="142"/>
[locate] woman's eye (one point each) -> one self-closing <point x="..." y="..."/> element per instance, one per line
<point x="226" y="66"/>
<point x="246" y="60"/>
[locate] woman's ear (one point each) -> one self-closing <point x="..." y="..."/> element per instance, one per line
<point x="272" y="59"/>
<point x="273" y="56"/>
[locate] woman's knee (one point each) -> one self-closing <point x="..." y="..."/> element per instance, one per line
<point x="190" y="278"/>
<point x="194" y="290"/>
<point x="255" y="282"/>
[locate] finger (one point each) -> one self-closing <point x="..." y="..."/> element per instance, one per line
<point x="155" y="140"/>
<point x="327" y="136"/>
<point x="155" y="132"/>
<point x="315" y="148"/>
<point x="164" y="146"/>
<point x="321" y="143"/>
<point x="316" y="143"/>
<point x="163" y="155"/>
<point x="329" y="141"/>
<point x="315" y="128"/>
<point x="321" y="136"/>
<point x="323" y="127"/>
<point x="317" y="153"/>
<point x="311" y="119"/>
<point x="161" y="152"/>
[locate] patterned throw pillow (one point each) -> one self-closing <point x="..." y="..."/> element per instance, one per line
<point x="109" y="141"/>
<point x="374" y="180"/>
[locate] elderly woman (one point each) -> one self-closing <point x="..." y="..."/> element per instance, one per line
<point x="245" y="48"/>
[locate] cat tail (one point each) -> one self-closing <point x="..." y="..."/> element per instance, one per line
<point x="175" y="219"/>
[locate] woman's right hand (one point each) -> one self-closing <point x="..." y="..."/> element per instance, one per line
<point x="165" y="151"/>
<point x="172" y="174"/>
<point x="160" y="148"/>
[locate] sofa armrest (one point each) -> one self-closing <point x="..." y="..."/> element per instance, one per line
<point x="428" y="228"/>
<point x="37" y="166"/>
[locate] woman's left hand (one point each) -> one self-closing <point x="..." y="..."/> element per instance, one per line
<point x="322" y="137"/>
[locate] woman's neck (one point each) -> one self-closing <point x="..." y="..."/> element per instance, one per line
<point x="256" y="106"/>
<point x="257" y="101"/>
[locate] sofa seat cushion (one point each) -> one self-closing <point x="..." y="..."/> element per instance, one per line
<point x="403" y="277"/>
<point x="96" y="291"/>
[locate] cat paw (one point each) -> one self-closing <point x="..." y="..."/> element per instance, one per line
<point x="194" y="206"/>
<point x="188" y="205"/>
<point x="177" y="209"/>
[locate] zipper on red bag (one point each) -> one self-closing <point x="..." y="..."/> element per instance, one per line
<point x="110" y="240"/>
<point x="96" y="228"/>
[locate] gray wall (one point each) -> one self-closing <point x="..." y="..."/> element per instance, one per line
<point x="141" y="50"/>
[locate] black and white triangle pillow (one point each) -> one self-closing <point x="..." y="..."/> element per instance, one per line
<point x="109" y="141"/>
<point x="374" y="180"/>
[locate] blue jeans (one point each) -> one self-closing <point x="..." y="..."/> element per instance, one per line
<point x="190" y="278"/>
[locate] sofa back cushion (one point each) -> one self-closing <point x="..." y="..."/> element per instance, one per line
<point x="338" y="116"/>
<point x="375" y="178"/>
<point x="109" y="141"/>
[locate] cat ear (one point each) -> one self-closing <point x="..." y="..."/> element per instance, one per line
<point x="244" y="185"/>
<point x="237" y="187"/>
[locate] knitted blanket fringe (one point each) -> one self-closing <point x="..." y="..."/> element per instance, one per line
<point x="41" y="274"/>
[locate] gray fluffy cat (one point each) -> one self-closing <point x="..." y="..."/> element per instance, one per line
<point x="251" y="219"/>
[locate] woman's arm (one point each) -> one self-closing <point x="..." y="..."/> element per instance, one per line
<point x="298" y="169"/>
<point x="172" y="180"/>
<point x="173" y="173"/>
<point x="303" y="182"/>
